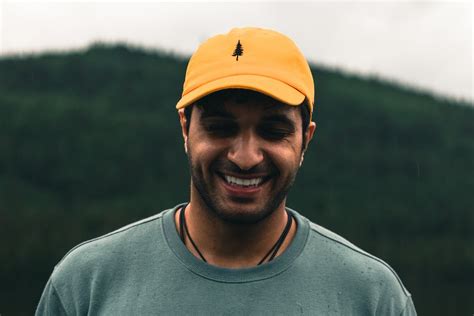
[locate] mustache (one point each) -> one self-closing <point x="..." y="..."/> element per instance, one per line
<point x="224" y="165"/>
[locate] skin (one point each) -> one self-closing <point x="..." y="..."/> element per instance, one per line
<point x="235" y="228"/>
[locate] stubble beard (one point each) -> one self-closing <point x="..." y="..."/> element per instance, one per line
<point x="234" y="216"/>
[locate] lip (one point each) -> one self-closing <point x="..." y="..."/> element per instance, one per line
<point x="244" y="176"/>
<point x="239" y="191"/>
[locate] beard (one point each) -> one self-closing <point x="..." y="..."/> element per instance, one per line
<point x="233" y="215"/>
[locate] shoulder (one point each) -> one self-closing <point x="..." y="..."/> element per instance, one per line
<point x="108" y="250"/>
<point x="349" y="254"/>
<point x="96" y="266"/>
<point x="349" y="267"/>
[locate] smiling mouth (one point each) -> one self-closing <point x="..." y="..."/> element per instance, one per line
<point x="244" y="183"/>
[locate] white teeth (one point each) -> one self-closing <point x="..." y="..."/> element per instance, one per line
<point x="243" y="182"/>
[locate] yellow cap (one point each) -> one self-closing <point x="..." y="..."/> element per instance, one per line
<point x="249" y="58"/>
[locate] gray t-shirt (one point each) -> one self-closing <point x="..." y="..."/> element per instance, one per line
<point x="145" y="269"/>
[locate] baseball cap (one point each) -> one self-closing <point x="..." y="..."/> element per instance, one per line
<point x="251" y="58"/>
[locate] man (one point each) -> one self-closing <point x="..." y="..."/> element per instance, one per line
<point x="235" y="248"/>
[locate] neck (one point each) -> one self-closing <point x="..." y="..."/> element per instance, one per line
<point x="232" y="245"/>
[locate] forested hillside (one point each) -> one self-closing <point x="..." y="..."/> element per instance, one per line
<point x="90" y="141"/>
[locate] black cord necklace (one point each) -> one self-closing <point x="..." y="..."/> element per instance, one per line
<point x="183" y="231"/>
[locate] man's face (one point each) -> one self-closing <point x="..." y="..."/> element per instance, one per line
<point x="244" y="156"/>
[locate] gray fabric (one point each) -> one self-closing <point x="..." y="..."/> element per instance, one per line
<point x="144" y="269"/>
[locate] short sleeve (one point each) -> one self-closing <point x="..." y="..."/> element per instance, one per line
<point x="409" y="309"/>
<point x="50" y="302"/>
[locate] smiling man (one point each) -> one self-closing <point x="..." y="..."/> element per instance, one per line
<point x="235" y="248"/>
<point x="244" y="151"/>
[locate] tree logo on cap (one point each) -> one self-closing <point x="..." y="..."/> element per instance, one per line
<point x="239" y="51"/>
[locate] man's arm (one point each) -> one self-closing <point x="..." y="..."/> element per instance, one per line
<point x="409" y="308"/>
<point x="50" y="302"/>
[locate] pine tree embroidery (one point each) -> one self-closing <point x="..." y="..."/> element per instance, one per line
<point x="239" y="51"/>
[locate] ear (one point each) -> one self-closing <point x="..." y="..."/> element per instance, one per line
<point x="184" y="131"/>
<point x="309" y="135"/>
<point x="310" y="132"/>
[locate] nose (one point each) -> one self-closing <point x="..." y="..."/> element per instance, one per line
<point x="245" y="151"/>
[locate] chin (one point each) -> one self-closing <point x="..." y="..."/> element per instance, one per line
<point x="241" y="216"/>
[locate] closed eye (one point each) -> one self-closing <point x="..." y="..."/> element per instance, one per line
<point x="274" y="132"/>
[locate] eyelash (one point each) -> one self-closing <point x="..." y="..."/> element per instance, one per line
<point x="274" y="134"/>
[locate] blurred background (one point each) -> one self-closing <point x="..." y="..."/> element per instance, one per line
<point x="90" y="141"/>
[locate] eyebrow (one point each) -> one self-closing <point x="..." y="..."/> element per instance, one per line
<point x="273" y="106"/>
<point x="216" y="112"/>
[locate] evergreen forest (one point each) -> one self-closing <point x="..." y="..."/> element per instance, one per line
<point x="90" y="141"/>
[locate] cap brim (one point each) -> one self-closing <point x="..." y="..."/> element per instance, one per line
<point x="268" y="86"/>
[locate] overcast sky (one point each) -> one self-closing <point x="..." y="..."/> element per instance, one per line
<point x="424" y="44"/>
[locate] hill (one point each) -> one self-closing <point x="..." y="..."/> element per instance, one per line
<point x="90" y="141"/>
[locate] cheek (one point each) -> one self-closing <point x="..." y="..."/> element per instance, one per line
<point x="203" y="152"/>
<point x="286" y="158"/>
